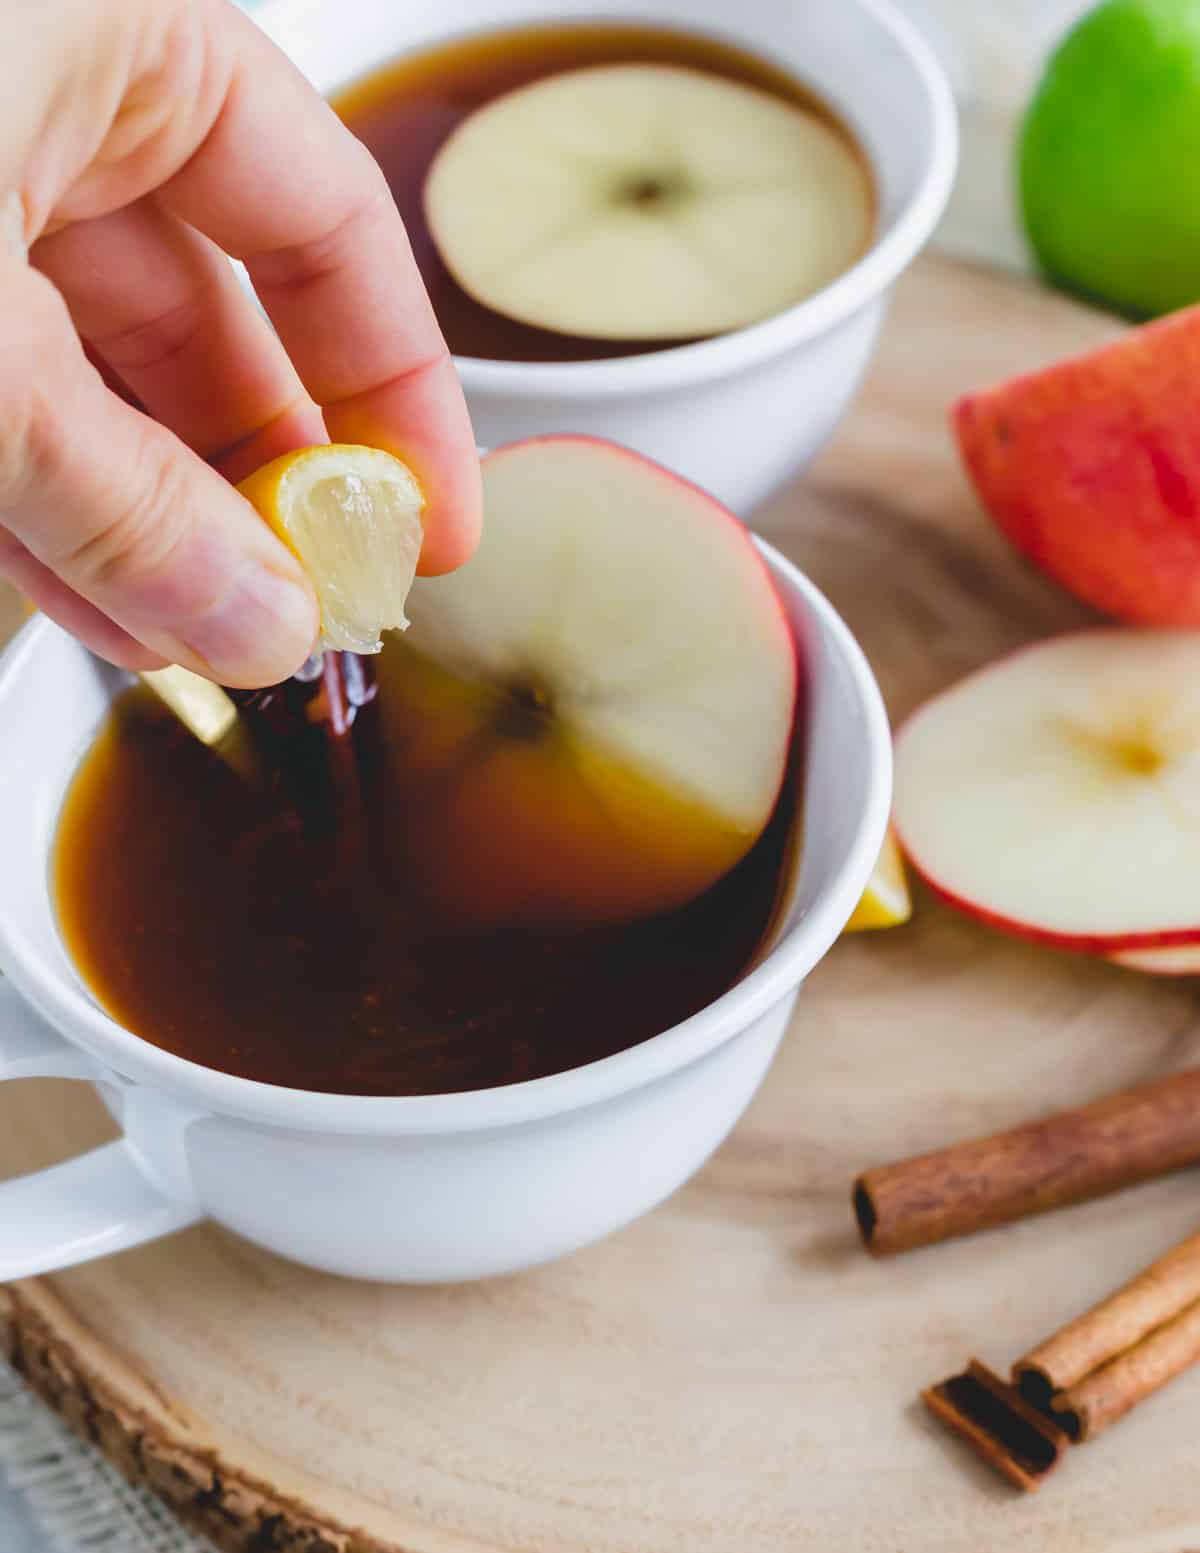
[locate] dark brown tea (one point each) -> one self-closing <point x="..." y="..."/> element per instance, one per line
<point x="284" y="933"/>
<point x="405" y="111"/>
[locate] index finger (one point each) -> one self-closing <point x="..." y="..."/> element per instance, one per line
<point x="280" y="183"/>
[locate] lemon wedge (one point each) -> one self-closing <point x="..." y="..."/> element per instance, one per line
<point x="352" y="517"/>
<point x="202" y="707"/>
<point x="886" y="901"/>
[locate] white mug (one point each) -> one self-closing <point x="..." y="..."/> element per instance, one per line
<point x="426" y="1188"/>
<point x="740" y="413"/>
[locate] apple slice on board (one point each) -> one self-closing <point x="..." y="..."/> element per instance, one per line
<point x="612" y="673"/>
<point x="1092" y="468"/>
<point x="1057" y="793"/>
<point x="1170" y="960"/>
<point x="645" y="202"/>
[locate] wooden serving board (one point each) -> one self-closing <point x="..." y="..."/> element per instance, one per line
<point x="732" y="1374"/>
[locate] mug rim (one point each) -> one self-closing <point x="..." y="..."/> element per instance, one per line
<point x="79" y="1019"/>
<point x="727" y="354"/>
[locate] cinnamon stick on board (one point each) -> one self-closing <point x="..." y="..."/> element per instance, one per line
<point x="1018" y="1441"/>
<point x="1106" y="1361"/>
<point x="1130" y="1136"/>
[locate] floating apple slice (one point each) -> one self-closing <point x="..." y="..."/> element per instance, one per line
<point x="645" y="202"/>
<point x="1057" y="792"/>
<point x="1092" y="468"/>
<point x="1169" y="960"/>
<point x="612" y="675"/>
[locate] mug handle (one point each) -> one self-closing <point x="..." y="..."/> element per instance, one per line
<point x="102" y="1202"/>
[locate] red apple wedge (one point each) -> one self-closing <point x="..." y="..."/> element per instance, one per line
<point x="613" y="670"/>
<point x="1092" y="468"/>
<point x="1056" y="793"/>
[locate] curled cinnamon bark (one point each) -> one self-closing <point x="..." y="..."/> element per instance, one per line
<point x="1013" y="1438"/>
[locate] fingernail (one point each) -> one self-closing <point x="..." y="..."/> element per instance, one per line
<point x="259" y="632"/>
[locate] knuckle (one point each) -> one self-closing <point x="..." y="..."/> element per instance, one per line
<point x="154" y="342"/>
<point x="39" y="386"/>
<point x="26" y="440"/>
<point x="103" y="524"/>
<point x="365" y="202"/>
<point x="133" y="543"/>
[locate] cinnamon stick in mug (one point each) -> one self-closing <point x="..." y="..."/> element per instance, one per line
<point x="1106" y="1361"/>
<point x="1130" y="1136"/>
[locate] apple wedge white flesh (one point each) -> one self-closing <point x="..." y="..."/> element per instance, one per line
<point x="1057" y="793"/>
<point x="645" y="202"/>
<point x="612" y="671"/>
<point x="1173" y="960"/>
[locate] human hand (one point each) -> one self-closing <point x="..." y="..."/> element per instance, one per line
<point x="140" y="142"/>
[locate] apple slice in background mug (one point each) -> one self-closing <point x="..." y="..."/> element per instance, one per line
<point x="1055" y="794"/>
<point x="646" y="202"/>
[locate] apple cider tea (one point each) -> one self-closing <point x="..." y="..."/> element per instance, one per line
<point x="538" y="245"/>
<point x="431" y="911"/>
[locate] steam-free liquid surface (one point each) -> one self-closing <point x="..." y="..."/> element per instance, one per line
<point x="266" y="932"/>
<point x="405" y="111"/>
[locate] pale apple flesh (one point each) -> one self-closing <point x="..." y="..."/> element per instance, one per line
<point x="1056" y="794"/>
<point x="1168" y="960"/>
<point x="611" y="674"/>
<point x="649" y="202"/>
<point x="1092" y="469"/>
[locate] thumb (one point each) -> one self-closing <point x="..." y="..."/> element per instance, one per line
<point x="128" y="517"/>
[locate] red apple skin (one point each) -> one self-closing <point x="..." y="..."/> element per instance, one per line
<point x="1092" y="469"/>
<point x="705" y="499"/>
<point x="1104" y="945"/>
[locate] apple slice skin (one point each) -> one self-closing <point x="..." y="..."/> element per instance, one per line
<point x="914" y="831"/>
<point x="1092" y="469"/>
<point x="1128" y="949"/>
